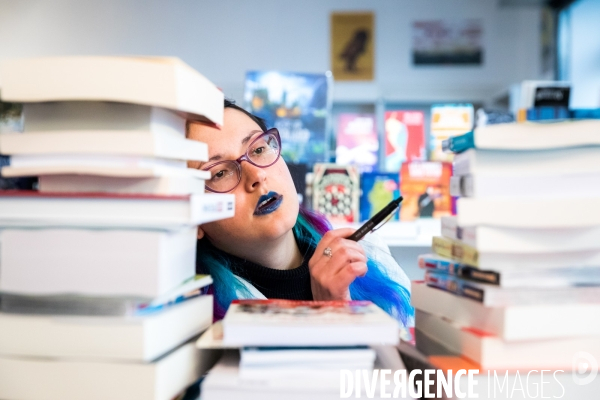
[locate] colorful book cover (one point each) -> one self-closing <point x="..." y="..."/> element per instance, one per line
<point x="336" y="192"/>
<point x="447" y="121"/>
<point x="357" y="141"/>
<point x="298" y="105"/>
<point x="377" y="190"/>
<point x="425" y="186"/>
<point x="404" y="138"/>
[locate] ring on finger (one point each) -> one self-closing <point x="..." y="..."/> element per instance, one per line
<point x="327" y="252"/>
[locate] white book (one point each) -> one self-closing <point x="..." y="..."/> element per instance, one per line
<point x="98" y="305"/>
<point x="554" y="162"/>
<point x="102" y="128"/>
<point x="99" y="210"/>
<point x="514" y="277"/>
<point x="494" y="296"/>
<point x="98" y="116"/>
<point x="477" y="186"/>
<point x="75" y="379"/>
<point x="529" y="213"/>
<point x="129" y="338"/>
<point x="510" y="323"/>
<point x="98" y="165"/>
<point x="491" y="352"/>
<point x="538" y="136"/>
<point x="148" y="263"/>
<point x="154" y="81"/>
<point x="522" y="240"/>
<point x="177" y="184"/>
<point x="280" y="356"/>
<point x="308" y="323"/>
<point x="225" y="382"/>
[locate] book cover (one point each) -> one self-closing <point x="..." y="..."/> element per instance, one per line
<point x="448" y="120"/>
<point x="298" y="105"/>
<point x="404" y="138"/>
<point x="336" y="192"/>
<point x="357" y="141"/>
<point x="425" y="186"/>
<point x="377" y="190"/>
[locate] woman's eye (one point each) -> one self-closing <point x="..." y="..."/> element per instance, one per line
<point x="259" y="150"/>
<point x="219" y="175"/>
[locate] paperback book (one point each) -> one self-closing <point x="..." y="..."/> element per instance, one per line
<point x="425" y="187"/>
<point x="298" y="105"/>
<point x="404" y="138"/>
<point x="336" y="192"/>
<point x="447" y="121"/>
<point x="357" y="141"/>
<point x="377" y="190"/>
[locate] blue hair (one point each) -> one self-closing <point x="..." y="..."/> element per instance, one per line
<point x="375" y="286"/>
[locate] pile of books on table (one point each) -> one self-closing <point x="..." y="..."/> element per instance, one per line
<point x="98" y="293"/>
<point x="281" y="349"/>
<point x="514" y="281"/>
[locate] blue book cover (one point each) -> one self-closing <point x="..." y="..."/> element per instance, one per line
<point x="377" y="190"/>
<point x="299" y="106"/>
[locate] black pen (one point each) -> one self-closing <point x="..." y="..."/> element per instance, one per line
<point x="376" y="220"/>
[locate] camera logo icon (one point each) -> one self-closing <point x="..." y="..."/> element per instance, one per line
<point x="585" y="368"/>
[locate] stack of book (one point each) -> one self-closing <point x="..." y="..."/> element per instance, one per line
<point x="281" y="349"/>
<point x="519" y="265"/>
<point x="99" y="297"/>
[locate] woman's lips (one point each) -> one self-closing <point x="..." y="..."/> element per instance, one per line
<point x="267" y="203"/>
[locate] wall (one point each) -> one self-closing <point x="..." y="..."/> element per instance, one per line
<point x="581" y="65"/>
<point x="223" y="39"/>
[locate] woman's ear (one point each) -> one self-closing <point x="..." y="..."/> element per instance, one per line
<point x="200" y="234"/>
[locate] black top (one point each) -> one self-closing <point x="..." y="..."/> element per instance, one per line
<point x="291" y="284"/>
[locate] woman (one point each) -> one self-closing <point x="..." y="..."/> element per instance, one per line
<point x="271" y="248"/>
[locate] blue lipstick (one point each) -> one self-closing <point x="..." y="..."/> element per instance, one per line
<point x="267" y="203"/>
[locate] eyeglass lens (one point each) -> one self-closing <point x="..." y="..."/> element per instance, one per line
<point x="262" y="152"/>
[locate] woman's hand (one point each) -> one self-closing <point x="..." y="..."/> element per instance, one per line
<point x="330" y="276"/>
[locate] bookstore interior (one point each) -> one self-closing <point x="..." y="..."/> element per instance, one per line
<point x="361" y="202"/>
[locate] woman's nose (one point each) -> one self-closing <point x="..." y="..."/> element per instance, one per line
<point x="253" y="176"/>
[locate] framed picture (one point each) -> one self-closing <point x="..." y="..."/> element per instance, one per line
<point x="447" y="42"/>
<point x="352" y="46"/>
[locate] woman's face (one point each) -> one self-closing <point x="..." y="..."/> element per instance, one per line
<point x="251" y="222"/>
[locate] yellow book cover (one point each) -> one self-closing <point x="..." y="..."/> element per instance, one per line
<point x="455" y="250"/>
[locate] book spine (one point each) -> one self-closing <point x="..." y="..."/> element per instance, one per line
<point x="454" y="285"/>
<point x="584" y="113"/>
<point x="547" y="113"/>
<point x="437" y="264"/>
<point x="455" y="250"/>
<point x="460" y="143"/>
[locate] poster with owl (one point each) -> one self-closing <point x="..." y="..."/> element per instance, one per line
<point x="336" y="191"/>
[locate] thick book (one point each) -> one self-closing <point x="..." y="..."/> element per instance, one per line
<point x="508" y="163"/>
<point x="494" y="296"/>
<point x="308" y="323"/>
<point x="357" y="141"/>
<point x="491" y="352"/>
<point x="512" y="323"/>
<point x="515" y="277"/>
<point x="74" y="379"/>
<point x="164" y="82"/>
<point x="551" y="213"/>
<point x="336" y="192"/>
<point x="98" y="165"/>
<point x="501" y="239"/>
<point x="425" y="186"/>
<point x="501" y="261"/>
<point x="103" y="210"/>
<point x="404" y="138"/>
<point x="569" y="185"/>
<point x="104" y="338"/>
<point x="527" y="136"/>
<point x="177" y="184"/>
<point x="149" y="263"/>
<point x="378" y="189"/>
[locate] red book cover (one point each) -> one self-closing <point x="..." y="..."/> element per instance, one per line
<point x="336" y="192"/>
<point x="404" y="138"/>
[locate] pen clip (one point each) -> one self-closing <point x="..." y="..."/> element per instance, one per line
<point x="386" y="220"/>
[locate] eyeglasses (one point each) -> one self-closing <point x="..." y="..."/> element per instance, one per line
<point x="263" y="152"/>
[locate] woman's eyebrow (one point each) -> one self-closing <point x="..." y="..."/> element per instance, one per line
<point x="218" y="157"/>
